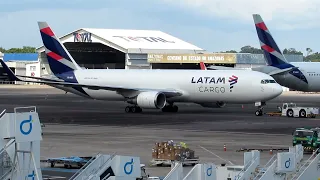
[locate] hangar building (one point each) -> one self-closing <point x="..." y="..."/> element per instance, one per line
<point x="118" y="48"/>
<point x="19" y="63"/>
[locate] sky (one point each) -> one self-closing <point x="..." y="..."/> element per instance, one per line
<point x="214" y="25"/>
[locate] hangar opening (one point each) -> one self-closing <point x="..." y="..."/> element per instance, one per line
<point x="96" y="55"/>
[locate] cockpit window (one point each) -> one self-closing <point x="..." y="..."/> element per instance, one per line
<point x="267" y="81"/>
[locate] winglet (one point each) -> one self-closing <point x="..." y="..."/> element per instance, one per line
<point x="11" y="75"/>
<point x="203" y="66"/>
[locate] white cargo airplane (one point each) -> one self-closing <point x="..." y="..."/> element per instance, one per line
<point x="154" y="89"/>
<point x="301" y="76"/>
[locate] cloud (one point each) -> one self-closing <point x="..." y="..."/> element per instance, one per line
<point x="284" y="14"/>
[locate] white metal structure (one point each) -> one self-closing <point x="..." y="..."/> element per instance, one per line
<point x="154" y="89"/>
<point x="20" y="134"/>
<point x="110" y="167"/>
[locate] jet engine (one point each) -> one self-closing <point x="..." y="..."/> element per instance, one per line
<point x="150" y="100"/>
<point x="218" y="104"/>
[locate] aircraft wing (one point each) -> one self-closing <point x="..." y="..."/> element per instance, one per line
<point x="42" y="78"/>
<point x="282" y="71"/>
<point x="120" y="89"/>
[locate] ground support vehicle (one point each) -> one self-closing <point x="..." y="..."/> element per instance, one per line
<point x="309" y="138"/>
<point x="68" y="162"/>
<point x="165" y="153"/>
<point x="292" y="110"/>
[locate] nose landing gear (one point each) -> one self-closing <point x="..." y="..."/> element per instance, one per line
<point x="259" y="112"/>
<point x="260" y="105"/>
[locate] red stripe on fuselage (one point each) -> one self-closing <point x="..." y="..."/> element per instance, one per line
<point x="47" y="31"/>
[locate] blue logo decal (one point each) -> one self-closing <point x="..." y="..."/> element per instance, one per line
<point x="209" y="171"/>
<point x="29" y="121"/>
<point x="31" y="175"/>
<point x="287" y="163"/>
<point x="130" y="167"/>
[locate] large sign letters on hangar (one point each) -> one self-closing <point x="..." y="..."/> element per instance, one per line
<point x="222" y="58"/>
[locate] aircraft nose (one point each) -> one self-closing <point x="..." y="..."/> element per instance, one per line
<point x="277" y="90"/>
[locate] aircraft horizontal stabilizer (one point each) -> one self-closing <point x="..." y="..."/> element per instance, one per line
<point x="281" y="71"/>
<point x="168" y="92"/>
<point x="41" y="78"/>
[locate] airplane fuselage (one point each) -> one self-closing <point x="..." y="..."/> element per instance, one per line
<point x="196" y="85"/>
<point x="305" y="78"/>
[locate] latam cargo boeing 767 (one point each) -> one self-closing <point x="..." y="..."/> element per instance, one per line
<point x="153" y="89"/>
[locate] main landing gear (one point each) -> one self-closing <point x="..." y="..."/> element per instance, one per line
<point x="133" y="109"/>
<point x="259" y="112"/>
<point x="170" y="108"/>
<point x="137" y="109"/>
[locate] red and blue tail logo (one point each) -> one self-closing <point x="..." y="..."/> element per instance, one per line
<point x="271" y="51"/>
<point x="233" y="80"/>
<point x="59" y="59"/>
<point x="270" y="48"/>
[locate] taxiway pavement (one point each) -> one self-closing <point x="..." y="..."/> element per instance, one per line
<point x="82" y="127"/>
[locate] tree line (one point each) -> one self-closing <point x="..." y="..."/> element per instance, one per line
<point x="24" y="49"/>
<point x="310" y="56"/>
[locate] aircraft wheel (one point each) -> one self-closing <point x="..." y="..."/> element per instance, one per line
<point x="165" y="109"/>
<point x="258" y="112"/>
<point x="136" y="109"/>
<point x="170" y="108"/>
<point x="174" y="108"/>
<point x="128" y="109"/>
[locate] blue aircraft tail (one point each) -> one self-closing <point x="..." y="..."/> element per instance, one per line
<point x="272" y="53"/>
<point x="60" y="61"/>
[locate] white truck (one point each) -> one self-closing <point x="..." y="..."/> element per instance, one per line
<point x="291" y="110"/>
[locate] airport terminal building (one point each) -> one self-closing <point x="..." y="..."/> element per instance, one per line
<point x="137" y="49"/>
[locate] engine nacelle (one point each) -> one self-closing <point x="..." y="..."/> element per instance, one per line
<point x="151" y="100"/>
<point x="218" y="104"/>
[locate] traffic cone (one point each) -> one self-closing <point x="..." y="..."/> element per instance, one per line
<point x="270" y="152"/>
<point x="224" y="148"/>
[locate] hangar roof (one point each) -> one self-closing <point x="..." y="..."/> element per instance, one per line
<point x="130" y="41"/>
